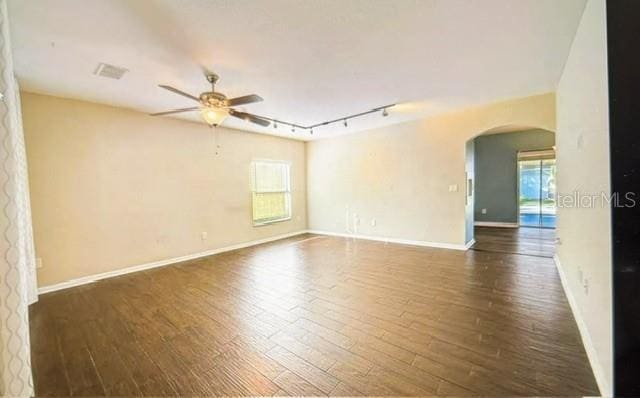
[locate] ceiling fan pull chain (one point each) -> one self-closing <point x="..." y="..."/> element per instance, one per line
<point x="215" y="140"/>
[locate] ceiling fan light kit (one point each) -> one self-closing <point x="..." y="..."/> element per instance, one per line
<point x="214" y="116"/>
<point x="215" y="107"/>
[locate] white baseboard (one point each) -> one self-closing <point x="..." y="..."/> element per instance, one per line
<point x="160" y="263"/>
<point x="598" y="371"/>
<point x="496" y="224"/>
<point x="440" y="245"/>
<point x="470" y="243"/>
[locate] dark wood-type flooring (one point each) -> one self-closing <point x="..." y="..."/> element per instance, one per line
<point x="523" y="240"/>
<point x="316" y="315"/>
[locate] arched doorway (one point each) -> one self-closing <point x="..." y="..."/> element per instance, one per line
<point x="501" y="188"/>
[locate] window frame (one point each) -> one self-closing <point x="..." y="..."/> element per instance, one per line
<point x="287" y="192"/>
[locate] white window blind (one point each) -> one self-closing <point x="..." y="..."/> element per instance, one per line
<point x="271" y="189"/>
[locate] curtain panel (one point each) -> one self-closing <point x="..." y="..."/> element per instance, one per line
<point x="17" y="262"/>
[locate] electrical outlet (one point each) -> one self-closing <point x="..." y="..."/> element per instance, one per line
<point x="484" y="211"/>
<point x="204" y="236"/>
<point x="39" y="262"/>
<point x="453" y="188"/>
<point x="373" y="222"/>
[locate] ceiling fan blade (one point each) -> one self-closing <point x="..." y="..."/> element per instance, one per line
<point x="247" y="99"/>
<point x="195" y="108"/>
<point x="175" y="90"/>
<point x="250" y="118"/>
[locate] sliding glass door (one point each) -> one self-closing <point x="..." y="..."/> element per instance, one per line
<point x="537" y="189"/>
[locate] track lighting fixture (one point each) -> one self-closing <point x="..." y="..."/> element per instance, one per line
<point x="344" y="119"/>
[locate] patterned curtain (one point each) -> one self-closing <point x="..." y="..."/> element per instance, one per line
<point x="25" y="244"/>
<point x="17" y="265"/>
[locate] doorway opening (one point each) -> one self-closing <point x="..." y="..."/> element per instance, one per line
<point x="492" y="181"/>
<point x="537" y="188"/>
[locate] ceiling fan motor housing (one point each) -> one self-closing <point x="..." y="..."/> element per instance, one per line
<point x="213" y="98"/>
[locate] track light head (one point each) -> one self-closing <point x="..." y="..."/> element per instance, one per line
<point x="275" y="125"/>
<point x="345" y="123"/>
<point x="385" y="113"/>
<point x="311" y="131"/>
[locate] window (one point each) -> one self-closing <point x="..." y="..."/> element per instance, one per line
<point x="271" y="191"/>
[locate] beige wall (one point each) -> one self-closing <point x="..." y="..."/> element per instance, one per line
<point x="582" y="142"/>
<point x="400" y="175"/>
<point x="113" y="188"/>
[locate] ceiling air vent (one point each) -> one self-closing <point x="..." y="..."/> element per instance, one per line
<point x="110" y="71"/>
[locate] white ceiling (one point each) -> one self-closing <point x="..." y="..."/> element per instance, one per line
<point x="310" y="60"/>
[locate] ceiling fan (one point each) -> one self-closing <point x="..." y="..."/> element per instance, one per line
<point x="214" y="107"/>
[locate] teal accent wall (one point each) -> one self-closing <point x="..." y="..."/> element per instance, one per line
<point x="496" y="172"/>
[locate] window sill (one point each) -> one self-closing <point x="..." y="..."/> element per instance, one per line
<point x="264" y="223"/>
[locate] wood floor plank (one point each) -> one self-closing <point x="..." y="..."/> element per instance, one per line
<point x="322" y="380"/>
<point x="231" y="374"/>
<point x="265" y="365"/>
<point x="51" y="378"/>
<point x="366" y="383"/>
<point x="295" y="385"/>
<point x="339" y="354"/>
<point x="417" y="376"/>
<point x="306" y="352"/>
<point x="345" y="390"/>
<point x="78" y="362"/>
